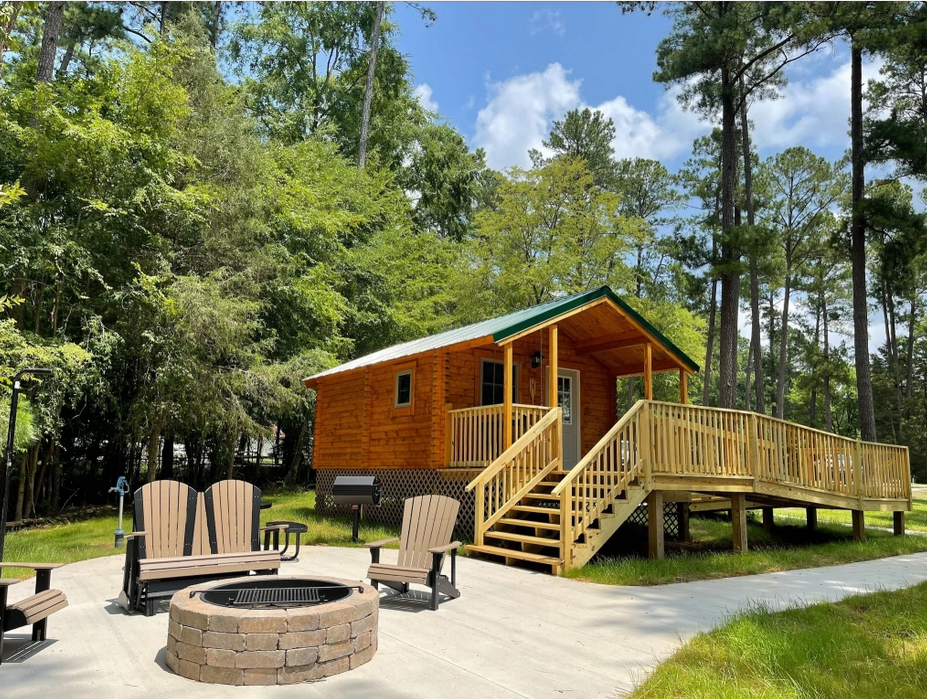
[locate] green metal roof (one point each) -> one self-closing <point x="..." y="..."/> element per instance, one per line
<point x="501" y="328"/>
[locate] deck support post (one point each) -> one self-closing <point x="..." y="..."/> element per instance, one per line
<point x="811" y="516"/>
<point x="507" y="397"/>
<point x="683" y="513"/>
<point x="859" y="526"/>
<point x="768" y="520"/>
<point x="739" y="521"/>
<point x="683" y="387"/>
<point x="648" y="371"/>
<point x="655" y="524"/>
<point x="898" y="516"/>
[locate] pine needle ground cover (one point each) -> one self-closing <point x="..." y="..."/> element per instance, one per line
<point x="790" y="546"/>
<point x="865" y="647"/>
<point x="92" y="538"/>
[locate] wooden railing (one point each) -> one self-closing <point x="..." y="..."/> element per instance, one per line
<point x="690" y="440"/>
<point x="516" y="472"/>
<point x="602" y="474"/>
<point x="476" y="435"/>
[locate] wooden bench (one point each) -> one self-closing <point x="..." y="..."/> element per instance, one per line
<point x="33" y="610"/>
<point x="183" y="538"/>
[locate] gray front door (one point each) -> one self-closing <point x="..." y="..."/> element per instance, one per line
<point x="568" y="400"/>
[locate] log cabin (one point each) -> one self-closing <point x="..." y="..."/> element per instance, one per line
<point x="546" y="469"/>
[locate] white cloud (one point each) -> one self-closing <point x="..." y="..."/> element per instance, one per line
<point x="546" y="19"/>
<point x="423" y="94"/>
<point x="520" y="110"/>
<point x="814" y="112"/>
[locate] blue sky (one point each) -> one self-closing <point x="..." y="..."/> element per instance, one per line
<point x="501" y="72"/>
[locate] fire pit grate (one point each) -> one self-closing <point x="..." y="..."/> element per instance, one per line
<point x="282" y="596"/>
<point x="275" y="596"/>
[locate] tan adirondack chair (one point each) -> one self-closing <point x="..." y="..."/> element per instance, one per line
<point x="427" y="527"/>
<point x="172" y="545"/>
<point x="33" y="610"/>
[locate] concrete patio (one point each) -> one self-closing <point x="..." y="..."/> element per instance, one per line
<point x="513" y="633"/>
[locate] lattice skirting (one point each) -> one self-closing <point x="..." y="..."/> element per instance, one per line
<point x="672" y="519"/>
<point x="397" y="485"/>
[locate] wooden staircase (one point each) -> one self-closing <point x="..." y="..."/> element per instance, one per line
<point x="545" y="516"/>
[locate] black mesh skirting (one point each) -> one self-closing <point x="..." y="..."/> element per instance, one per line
<point x="397" y="485"/>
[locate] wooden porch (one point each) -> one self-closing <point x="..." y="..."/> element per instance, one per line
<point x="529" y="509"/>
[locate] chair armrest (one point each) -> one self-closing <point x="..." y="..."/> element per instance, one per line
<point x="6" y="582"/>
<point x="453" y="546"/>
<point x="381" y="543"/>
<point x="275" y="527"/>
<point x="34" y="566"/>
<point x="132" y="535"/>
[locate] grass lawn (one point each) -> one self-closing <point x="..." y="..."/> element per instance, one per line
<point x="865" y="647"/>
<point x="789" y="547"/>
<point x="91" y="538"/>
<point x="915" y="521"/>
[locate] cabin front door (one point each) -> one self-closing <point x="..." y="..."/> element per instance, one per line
<point x="568" y="401"/>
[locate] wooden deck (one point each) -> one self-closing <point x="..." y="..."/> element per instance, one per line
<point x="528" y="509"/>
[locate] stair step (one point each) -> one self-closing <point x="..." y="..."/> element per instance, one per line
<point x="536" y="510"/>
<point x="524" y="538"/>
<point x="530" y="523"/>
<point x="520" y="555"/>
<point x="542" y="496"/>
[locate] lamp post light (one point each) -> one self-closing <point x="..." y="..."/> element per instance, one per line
<point x="14" y="403"/>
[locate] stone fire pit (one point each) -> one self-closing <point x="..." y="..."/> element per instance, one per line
<point x="211" y="642"/>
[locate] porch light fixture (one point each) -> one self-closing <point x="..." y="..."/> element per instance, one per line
<point x="536" y="359"/>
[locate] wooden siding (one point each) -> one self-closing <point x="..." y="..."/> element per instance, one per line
<point x="358" y="426"/>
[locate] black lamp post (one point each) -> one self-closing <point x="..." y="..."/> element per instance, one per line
<point x="14" y="403"/>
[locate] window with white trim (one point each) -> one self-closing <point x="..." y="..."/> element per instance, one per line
<point x="403" y="389"/>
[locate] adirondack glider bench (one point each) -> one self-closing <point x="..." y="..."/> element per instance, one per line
<point x="427" y="526"/>
<point x="33" y="610"/>
<point x="182" y="538"/>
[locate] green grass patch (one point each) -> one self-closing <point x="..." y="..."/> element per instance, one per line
<point x="915" y="521"/>
<point x="93" y="537"/>
<point x="789" y="547"/>
<point x="866" y="647"/>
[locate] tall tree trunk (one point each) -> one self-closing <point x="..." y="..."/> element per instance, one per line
<point x="909" y="353"/>
<point x="747" y="377"/>
<point x="216" y="29"/>
<point x="730" y="277"/>
<point x="154" y="441"/>
<point x="755" y="318"/>
<point x="66" y="59"/>
<point x="167" y="457"/>
<point x="56" y="478"/>
<point x="828" y="415"/>
<point x="783" y="347"/>
<point x="867" y="424"/>
<point x="50" y="33"/>
<point x="710" y="345"/>
<point x="368" y="90"/>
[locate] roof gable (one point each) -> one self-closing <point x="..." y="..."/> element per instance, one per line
<point x="503" y="327"/>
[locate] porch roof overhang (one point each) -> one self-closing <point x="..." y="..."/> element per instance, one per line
<point x="598" y="321"/>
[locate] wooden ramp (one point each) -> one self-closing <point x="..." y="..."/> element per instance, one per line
<point x="528" y="510"/>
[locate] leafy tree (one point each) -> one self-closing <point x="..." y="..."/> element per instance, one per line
<point x="588" y="135"/>
<point x="799" y="190"/>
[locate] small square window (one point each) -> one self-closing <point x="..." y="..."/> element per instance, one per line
<point x="403" y="389"/>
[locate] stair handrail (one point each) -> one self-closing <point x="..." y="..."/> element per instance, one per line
<point x="510" y="453"/>
<point x="600" y="445"/>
